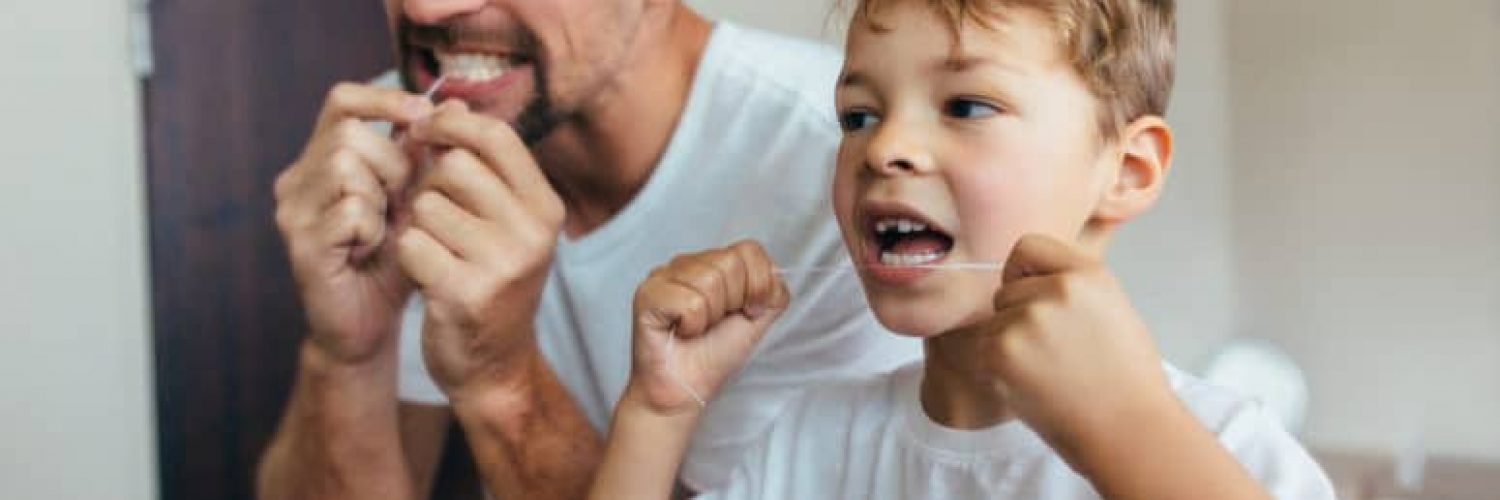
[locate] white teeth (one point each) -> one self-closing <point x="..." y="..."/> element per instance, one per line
<point x="901" y="226"/>
<point x="471" y="66"/>
<point x="896" y="259"/>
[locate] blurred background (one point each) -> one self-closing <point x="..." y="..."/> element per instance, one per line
<point x="1336" y="195"/>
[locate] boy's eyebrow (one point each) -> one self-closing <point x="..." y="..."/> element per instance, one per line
<point x="962" y="63"/>
<point x="854" y="79"/>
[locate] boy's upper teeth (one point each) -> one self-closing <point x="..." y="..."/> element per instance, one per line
<point x="902" y="226"/>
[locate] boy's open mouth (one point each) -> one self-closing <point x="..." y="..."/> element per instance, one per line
<point x="907" y="240"/>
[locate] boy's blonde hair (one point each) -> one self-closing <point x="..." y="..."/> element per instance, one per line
<point x="1125" y="50"/>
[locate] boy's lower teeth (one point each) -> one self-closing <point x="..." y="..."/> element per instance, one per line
<point x="896" y="259"/>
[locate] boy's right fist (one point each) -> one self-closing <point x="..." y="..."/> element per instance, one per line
<point x="717" y="304"/>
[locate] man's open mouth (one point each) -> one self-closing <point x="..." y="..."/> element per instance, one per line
<point x="471" y="67"/>
<point x="907" y="240"/>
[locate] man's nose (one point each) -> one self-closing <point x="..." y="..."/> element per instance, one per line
<point x="437" y="11"/>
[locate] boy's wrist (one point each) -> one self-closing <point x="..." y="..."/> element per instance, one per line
<point x="637" y="400"/>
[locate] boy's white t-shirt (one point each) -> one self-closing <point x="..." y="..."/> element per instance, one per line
<point x="752" y="157"/>
<point x="870" y="439"/>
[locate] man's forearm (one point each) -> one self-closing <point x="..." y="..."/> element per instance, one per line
<point x="340" y="436"/>
<point x="529" y="437"/>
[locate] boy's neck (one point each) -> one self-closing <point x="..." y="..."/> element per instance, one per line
<point x="956" y="399"/>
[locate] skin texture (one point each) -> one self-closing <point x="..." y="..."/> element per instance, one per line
<point x="465" y="205"/>
<point x="994" y="141"/>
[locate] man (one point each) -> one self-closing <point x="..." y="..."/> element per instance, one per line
<point x="582" y="142"/>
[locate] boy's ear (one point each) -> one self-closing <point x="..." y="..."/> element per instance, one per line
<point x="1145" y="148"/>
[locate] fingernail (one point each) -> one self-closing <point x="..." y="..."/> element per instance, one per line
<point x="755" y="311"/>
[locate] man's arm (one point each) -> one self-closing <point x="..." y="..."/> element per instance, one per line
<point x="424" y="431"/>
<point x="340" y="436"/>
<point x="529" y="438"/>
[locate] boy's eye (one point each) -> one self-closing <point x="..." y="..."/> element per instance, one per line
<point x="856" y="120"/>
<point x="969" y="109"/>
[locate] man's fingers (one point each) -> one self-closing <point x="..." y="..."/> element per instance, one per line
<point x="367" y="102"/>
<point x="423" y="258"/>
<point x="1040" y="255"/>
<point x="352" y="223"/>
<point x="460" y="232"/>
<point x="493" y="140"/>
<point x="459" y="174"/>
<point x="380" y="154"/>
<point x="307" y="194"/>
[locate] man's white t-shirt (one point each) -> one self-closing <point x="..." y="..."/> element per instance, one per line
<point x="870" y="439"/>
<point x="752" y="157"/>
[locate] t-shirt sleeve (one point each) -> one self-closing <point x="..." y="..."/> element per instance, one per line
<point x="1273" y="456"/>
<point x="413" y="384"/>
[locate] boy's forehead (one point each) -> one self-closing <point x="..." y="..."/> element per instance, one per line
<point x="913" y="31"/>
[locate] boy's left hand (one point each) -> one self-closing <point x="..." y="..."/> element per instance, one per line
<point x="1065" y="348"/>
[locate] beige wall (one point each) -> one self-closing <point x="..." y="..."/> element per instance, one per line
<point x="75" y="398"/>
<point x="1367" y="211"/>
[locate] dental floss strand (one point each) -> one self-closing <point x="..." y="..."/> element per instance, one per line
<point x="672" y="334"/>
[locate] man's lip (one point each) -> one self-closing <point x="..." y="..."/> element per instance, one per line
<point x="459" y="88"/>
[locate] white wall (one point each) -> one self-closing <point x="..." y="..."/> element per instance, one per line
<point x="1177" y="261"/>
<point x="75" y="379"/>
<point x="1367" y="202"/>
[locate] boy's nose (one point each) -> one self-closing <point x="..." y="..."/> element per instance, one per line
<point x="438" y="11"/>
<point x="893" y="151"/>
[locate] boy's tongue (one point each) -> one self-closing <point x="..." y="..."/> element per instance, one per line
<point x="919" y="244"/>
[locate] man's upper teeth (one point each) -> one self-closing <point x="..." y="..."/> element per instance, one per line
<point x="472" y="66"/>
<point x="902" y="226"/>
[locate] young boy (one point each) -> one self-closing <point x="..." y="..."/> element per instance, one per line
<point x="977" y="132"/>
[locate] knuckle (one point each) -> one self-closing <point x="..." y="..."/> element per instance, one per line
<point x="340" y="95"/>
<point x="352" y="209"/>
<point x="281" y="187"/>
<point x="425" y="204"/>
<point x="285" y="220"/>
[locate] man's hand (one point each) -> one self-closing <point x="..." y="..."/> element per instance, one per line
<point x="717" y="304"/>
<point x="1065" y="347"/>
<point x="332" y="208"/>
<point x="485" y="222"/>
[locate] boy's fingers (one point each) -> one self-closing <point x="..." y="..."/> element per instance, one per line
<point x="735" y="283"/>
<point x="760" y="273"/>
<point x="665" y="304"/>
<point x="705" y="280"/>
<point x="1040" y="255"/>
